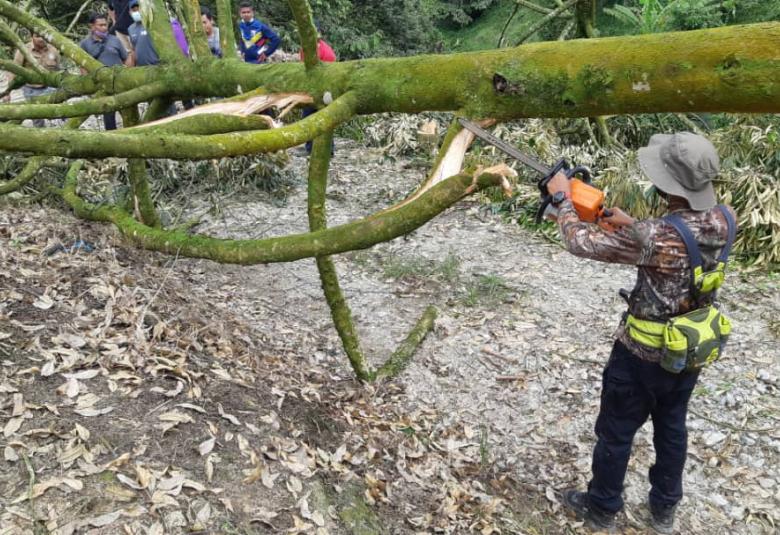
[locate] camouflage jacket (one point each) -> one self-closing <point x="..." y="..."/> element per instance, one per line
<point x="663" y="285"/>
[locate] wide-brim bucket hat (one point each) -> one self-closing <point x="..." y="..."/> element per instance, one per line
<point x="682" y="164"/>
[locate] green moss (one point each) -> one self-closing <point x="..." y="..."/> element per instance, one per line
<point x="355" y="513"/>
<point x="595" y="80"/>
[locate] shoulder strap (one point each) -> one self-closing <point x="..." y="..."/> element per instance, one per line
<point x="732" y="233"/>
<point x="687" y="236"/>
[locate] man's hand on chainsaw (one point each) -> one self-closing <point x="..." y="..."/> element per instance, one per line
<point x="616" y="219"/>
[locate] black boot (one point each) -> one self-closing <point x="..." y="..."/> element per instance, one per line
<point x="595" y="519"/>
<point x="662" y="518"/>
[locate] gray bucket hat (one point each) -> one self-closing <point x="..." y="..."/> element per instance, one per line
<point x="682" y="164"/>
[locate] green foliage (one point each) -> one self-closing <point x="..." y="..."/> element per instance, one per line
<point x="485" y="290"/>
<point x="459" y="13"/>
<point x="411" y="268"/>
<point x="651" y="16"/>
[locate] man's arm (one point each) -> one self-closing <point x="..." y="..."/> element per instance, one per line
<point x="625" y="245"/>
<point x="273" y="40"/>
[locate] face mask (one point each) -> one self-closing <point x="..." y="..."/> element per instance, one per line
<point x="100" y="35"/>
<point x="136" y="16"/>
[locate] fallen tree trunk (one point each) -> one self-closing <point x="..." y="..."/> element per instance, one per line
<point x="730" y="69"/>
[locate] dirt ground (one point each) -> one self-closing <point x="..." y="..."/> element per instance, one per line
<point x="141" y="393"/>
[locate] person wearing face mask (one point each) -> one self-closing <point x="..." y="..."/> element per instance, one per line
<point x="143" y="52"/>
<point x="258" y="41"/>
<point x="108" y="50"/>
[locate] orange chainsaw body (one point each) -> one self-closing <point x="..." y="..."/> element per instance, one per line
<point x="587" y="200"/>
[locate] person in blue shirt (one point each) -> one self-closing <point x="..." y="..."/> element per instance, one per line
<point x="258" y="41"/>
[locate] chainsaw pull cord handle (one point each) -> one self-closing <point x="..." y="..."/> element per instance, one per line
<point x="560" y="166"/>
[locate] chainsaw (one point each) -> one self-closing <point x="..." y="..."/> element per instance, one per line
<point x="588" y="201"/>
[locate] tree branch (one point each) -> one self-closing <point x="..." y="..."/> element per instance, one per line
<point x="26" y="75"/>
<point x="199" y="46"/>
<point x="157" y="22"/>
<point x="77" y="16"/>
<point x="339" y="308"/>
<point x="34" y="165"/>
<point x="359" y="234"/>
<point x="82" y="107"/>
<point x="401" y="357"/>
<point x="183" y="147"/>
<point x="506" y="25"/>
<point x="136" y="176"/>
<point x="541" y="23"/>
<point x="9" y="36"/>
<point x="534" y="7"/>
<point x="227" y="33"/>
<point x="306" y="31"/>
<point x="67" y="47"/>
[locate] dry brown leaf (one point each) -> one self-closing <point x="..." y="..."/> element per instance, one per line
<point x="205" y="447"/>
<point x="82" y="432"/>
<point x="70" y="388"/>
<point x="264" y="516"/>
<point x="70" y="455"/>
<point x="294" y="485"/>
<point x="44" y="302"/>
<point x="49" y="368"/>
<point x="210" y="460"/>
<point x="83" y="375"/>
<point x="204" y="515"/>
<point x="12" y="426"/>
<point x="171" y="485"/>
<point x="175" y="416"/>
<point x="268" y="478"/>
<point x="232" y="419"/>
<point x="129" y="482"/>
<point x="93" y="412"/>
<point x="194" y="485"/>
<point x="10" y="454"/>
<point x="40" y="488"/>
<point x="145" y="477"/>
<point x="19" y="406"/>
<point x="196" y="408"/>
<point x="162" y="499"/>
<point x="116" y="463"/>
<point x="104" y="520"/>
<point x="253" y="474"/>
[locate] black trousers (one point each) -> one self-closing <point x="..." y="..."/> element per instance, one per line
<point x="632" y="391"/>
<point x="109" y="120"/>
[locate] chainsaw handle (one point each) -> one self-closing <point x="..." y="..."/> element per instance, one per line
<point x="561" y="166"/>
<point x="581" y="172"/>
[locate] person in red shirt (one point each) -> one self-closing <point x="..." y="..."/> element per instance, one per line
<point x="326" y="55"/>
<point x="324" y="52"/>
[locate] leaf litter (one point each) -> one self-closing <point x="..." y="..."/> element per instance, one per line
<point x="143" y="394"/>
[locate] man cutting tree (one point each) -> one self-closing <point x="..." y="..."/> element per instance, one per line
<point x="672" y="328"/>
